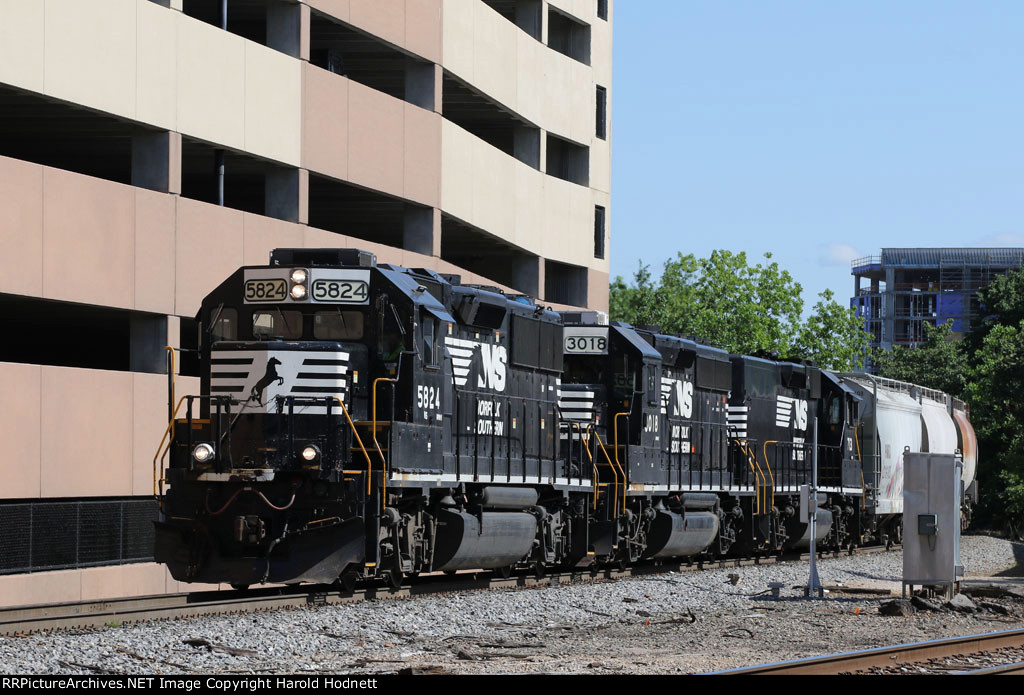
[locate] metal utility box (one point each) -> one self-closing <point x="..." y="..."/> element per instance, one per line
<point x="931" y="520"/>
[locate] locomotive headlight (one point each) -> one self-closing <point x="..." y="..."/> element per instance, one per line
<point x="299" y="276"/>
<point x="298" y="291"/>
<point x="202" y="453"/>
<point x="311" y="453"/>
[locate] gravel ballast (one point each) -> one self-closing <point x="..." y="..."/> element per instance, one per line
<point x="668" y="623"/>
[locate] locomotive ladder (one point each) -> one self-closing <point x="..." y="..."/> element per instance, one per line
<point x="761" y="487"/>
<point x="615" y="467"/>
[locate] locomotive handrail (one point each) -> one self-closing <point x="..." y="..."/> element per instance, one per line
<point x="168" y="438"/>
<point x="383" y="459"/>
<point x="170" y="385"/>
<point x="579" y="428"/>
<point x="593" y="464"/>
<point x="355" y="432"/>
<point x="764" y="452"/>
<point x="161" y="451"/>
<point x="615" y="431"/>
<point x="171" y="373"/>
<point x="509" y="400"/>
<point x="860" y="458"/>
<point x="758" y="474"/>
<point x="615" y="473"/>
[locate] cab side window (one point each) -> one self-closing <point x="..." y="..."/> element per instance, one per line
<point x="428" y="350"/>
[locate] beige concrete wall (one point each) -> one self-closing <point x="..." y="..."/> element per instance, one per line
<point x="138" y="60"/>
<point x="500" y="60"/>
<point x="411" y="25"/>
<point x="597" y="290"/>
<point x="356" y="134"/>
<point x="161" y="253"/>
<point x="92" y="584"/>
<point x="493" y="191"/>
<point x="80" y="432"/>
<point x="142" y="61"/>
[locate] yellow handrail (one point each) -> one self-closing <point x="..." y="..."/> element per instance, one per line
<point x="758" y="474"/>
<point x="757" y="481"/>
<point x="615" y="431"/>
<point x="170" y="349"/>
<point x="586" y="446"/>
<point x="615" y="474"/>
<point x="383" y="460"/>
<point x="369" y="464"/>
<point x="169" y="431"/>
<point x="767" y="465"/>
<point x="860" y="458"/>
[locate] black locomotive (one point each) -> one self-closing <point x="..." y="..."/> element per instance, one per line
<point x="365" y="420"/>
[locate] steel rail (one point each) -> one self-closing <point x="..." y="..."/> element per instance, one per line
<point x="914" y="652"/>
<point x="22" y="620"/>
<point x="1014" y="669"/>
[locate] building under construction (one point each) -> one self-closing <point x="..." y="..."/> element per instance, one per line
<point x="897" y="293"/>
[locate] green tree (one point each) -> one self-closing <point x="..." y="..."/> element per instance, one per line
<point x="940" y="362"/>
<point x="1003" y="298"/>
<point x="639" y="301"/>
<point x="740" y="307"/>
<point x="997" y="413"/>
<point x="832" y="337"/>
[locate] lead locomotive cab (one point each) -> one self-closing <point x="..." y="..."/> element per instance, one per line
<point x="282" y="455"/>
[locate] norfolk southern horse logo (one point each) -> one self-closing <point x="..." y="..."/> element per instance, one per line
<point x="270" y="377"/>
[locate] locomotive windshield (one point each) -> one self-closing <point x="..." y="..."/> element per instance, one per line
<point x="274" y="323"/>
<point x="584" y="369"/>
<point x="338" y="325"/>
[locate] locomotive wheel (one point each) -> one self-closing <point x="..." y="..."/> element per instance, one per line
<point x="539" y="570"/>
<point x="239" y="587"/>
<point x="504" y="572"/>
<point x="394" y="578"/>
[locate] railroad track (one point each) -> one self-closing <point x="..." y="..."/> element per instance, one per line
<point x="23" y="620"/>
<point x="985" y="654"/>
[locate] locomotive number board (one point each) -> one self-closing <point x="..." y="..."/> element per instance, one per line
<point x="266" y="290"/>
<point x="323" y="286"/>
<point x="585" y="341"/>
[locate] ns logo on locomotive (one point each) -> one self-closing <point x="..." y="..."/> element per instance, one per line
<point x="361" y="420"/>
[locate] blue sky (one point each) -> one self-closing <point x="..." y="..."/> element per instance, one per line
<point x="818" y="130"/>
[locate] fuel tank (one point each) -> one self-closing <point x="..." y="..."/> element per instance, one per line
<point x="463" y="542"/>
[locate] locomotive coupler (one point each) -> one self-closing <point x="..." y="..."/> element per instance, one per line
<point x="249" y="530"/>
